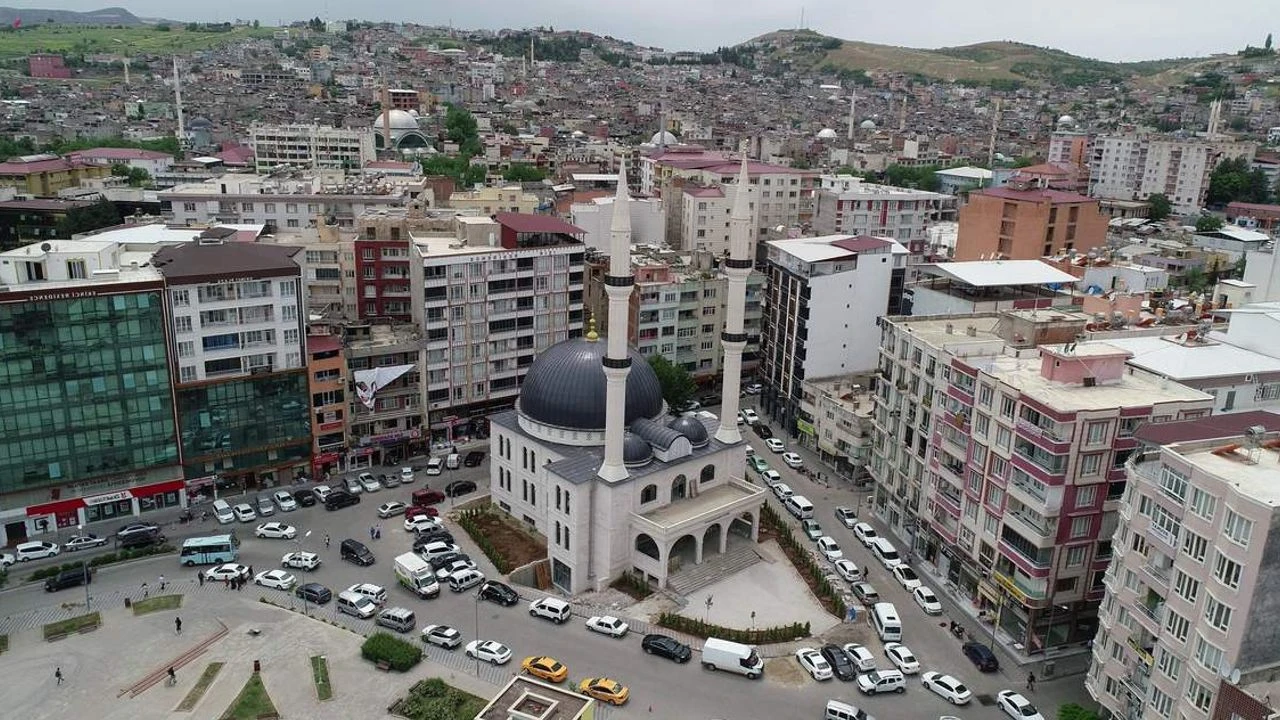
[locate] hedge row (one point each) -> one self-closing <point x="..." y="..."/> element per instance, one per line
<point x="800" y="556"/>
<point x="698" y="628"/>
<point x="467" y="520"/>
<point x="401" y="655"/>
<point x="105" y="559"/>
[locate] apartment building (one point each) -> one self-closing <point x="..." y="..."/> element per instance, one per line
<point x="311" y="147"/>
<point x="384" y="287"/>
<point x="848" y="206"/>
<point x="46" y="175"/>
<point x="1071" y="148"/>
<point x="648" y="221"/>
<point x="704" y="221"/>
<point x="1023" y="222"/>
<point x="1133" y="166"/>
<point x="385" y="416"/>
<point x="490" y="200"/>
<point x="1002" y="459"/>
<point x="678" y="309"/>
<point x="825" y="297"/>
<point x="327" y="383"/>
<point x="1186" y="625"/>
<point x="236" y="328"/>
<point x="841" y="430"/>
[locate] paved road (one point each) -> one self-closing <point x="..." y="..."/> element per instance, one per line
<point x="671" y="690"/>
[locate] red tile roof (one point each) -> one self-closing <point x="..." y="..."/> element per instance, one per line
<point x="862" y="243"/>
<point x="112" y="153"/>
<point x="1054" y="196"/>
<point x="523" y="223"/>
<point x="718" y="162"/>
<point x="17" y="167"/>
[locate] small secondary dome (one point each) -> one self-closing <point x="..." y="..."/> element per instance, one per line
<point x="635" y="450"/>
<point x="690" y="427"/>
<point x="868" y="125"/>
<point x="826" y="134"/>
<point x="1067" y="120"/>
<point x="664" y="138"/>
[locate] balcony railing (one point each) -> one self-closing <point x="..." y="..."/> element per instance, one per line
<point x="1041" y="529"/>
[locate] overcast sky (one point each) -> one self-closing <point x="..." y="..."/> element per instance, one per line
<point x="1107" y="29"/>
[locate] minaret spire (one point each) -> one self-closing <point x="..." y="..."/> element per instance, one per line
<point x="618" y="284"/>
<point x="734" y="339"/>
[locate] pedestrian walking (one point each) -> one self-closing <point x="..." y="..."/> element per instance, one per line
<point x="1031" y="681"/>
<point x="145" y="592"/>
<point x="57" y="674"/>
<point x="372" y="530"/>
<point x="173" y="677"/>
<point x="326" y="542"/>
<point x="177" y="625"/>
<point x="227" y="583"/>
<point x="162" y="583"/>
<point x="241" y="586"/>
<point x="200" y="578"/>
<point x="250" y="571"/>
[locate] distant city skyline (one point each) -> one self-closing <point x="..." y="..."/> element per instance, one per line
<point x="1103" y="29"/>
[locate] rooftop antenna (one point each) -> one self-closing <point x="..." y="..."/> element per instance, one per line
<point x="995" y="127"/>
<point x="801" y="17"/>
<point x="177" y="100"/>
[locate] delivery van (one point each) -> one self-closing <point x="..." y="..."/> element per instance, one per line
<point x="731" y="657"/>
<point x="417" y="575"/>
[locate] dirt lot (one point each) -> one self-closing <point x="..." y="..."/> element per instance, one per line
<point x="515" y="543"/>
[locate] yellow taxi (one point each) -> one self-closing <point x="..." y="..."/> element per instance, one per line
<point x="605" y="690"/>
<point x="545" y="668"/>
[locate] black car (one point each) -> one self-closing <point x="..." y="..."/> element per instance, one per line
<point x="473" y="458"/>
<point x="709" y="400"/>
<point x="762" y="430"/>
<point x="304" y="498"/>
<point x="137" y="529"/>
<point x="667" y="647"/>
<point x="314" y="593"/>
<point x="459" y="487"/>
<point x="140" y="538"/>
<point x="67" y="579"/>
<point x="841" y="666"/>
<point x="339" y="499"/>
<point x="356" y="552"/>
<point x="982" y="657"/>
<point x="440" y="561"/>
<point x="430" y="536"/>
<point x="497" y="592"/>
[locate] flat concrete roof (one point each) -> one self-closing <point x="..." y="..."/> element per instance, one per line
<point x="993" y="273"/>
<point x="1131" y="390"/>
<point x="535" y="700"/>
<point x="1180" y="361"/>
<point x="933" y="331"/>
<point x="1256" y="480"/>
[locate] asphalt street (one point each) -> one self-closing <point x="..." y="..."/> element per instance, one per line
<point x="658" y="686"/>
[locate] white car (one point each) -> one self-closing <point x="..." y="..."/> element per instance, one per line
<point x="277" y="579"/>
<point x="227" y="571"/>
<point x="775" y="445"/>
<point x="406" y="476"/>
<point x="36" y="550"/>
<point x="7" y="559"/>
<point x="902" y="658"/>
<point x="749" y="416"/>
<point x="490" y="651"/>
<point x="783" y="491"/>
<point x="321" y="492"/>
<point x="454" y="566"/>
<point x="301" y="560"/>
<point x="244" y="512"/>
<point x="434" y="466"/>
<point x="438" y="548"/>
<point x="860" y="656"/>
<point x="418" y="523"/>
<point x="369" y="483"/>
<point x="285" y="501"/>
<point x="753" y="388"/>
<point x="391" y="509"/>
<point x="607" y="625"/>
<point x="811" y="529"/>
<point x="772" y="479"/>
<point x="814" y="664"/>
<point x="848" y="570"/>
<point x="792" y="460"/>
<point x="442" y="636"/>
<point x="927" y="601"/>
<point x="829" y="548"/>
<point x="947" y="687"/>
<point x="1016" y="706"/>
<point x="354" y="487"/>
<point x="865" y="533"/>
<point x="276" y="530"/>
<point x="847" y="517"/>
<point x="906" y="577"/>
<point x="83" y="542"/>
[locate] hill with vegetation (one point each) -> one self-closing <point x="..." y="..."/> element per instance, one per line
<point x="38" y="16"/>
<point x="158" y="39"/>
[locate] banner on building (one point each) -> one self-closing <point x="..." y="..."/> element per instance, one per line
<point x="369" y="382"/>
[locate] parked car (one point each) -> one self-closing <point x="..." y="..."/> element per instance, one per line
<point x="605" y="690"/>
<point x="865" y="533"/>
<point x="946" y="687"/>
<point x="441" y="636"/>
<point x="848" y="570"/>
<point x="277" y="579"/>
<point x="391" y="509"/>
<point x="83" y="542"/>
<point x="762" y="430"/>
<point x="458" y="488"/>
<point x="244" y="513"/>
<point x="314" y="593"/>
<point x="227" y="571"/>
<point x="667" y="647"/>
<point x="792" y="460"/>
<point x="420" y="523"/>
<point x="866" y="593"/>
<point x="774" y="444"/>
<point x="304" y="498"/>
<point x="749" y="416"/>
<point x="607" y="625"/>
<point x="902" y="657"/>
<point x="1016" y="706"/>
<point x="846" y="517"/>
<point x="301" y="560"/>
<point x="860" y="656"/>
<point x="499" y="593"/>
<point x="285" y="501"/>
<point x="321" y="492"/>
<point x="829" y="548"/>
<point x="906" y="577"/>
<point x="840" y="664"/>
<point x="406" y="475"/>
<point x="474" y="458"/>
<point x="811" y="529"/>
<point x="266" y="506"/>
<point x="338" y="499"/>
<point x="545" y="668"/>
<point x="753" y="388"/>
<point x="927" y="601"/>
<point x="981" y="656"/>
<point x="489" y="651"/>
<point x="389" y="481"/>
<point x="813" y="663"/>
<point x="435" y="466"/>
<point x="353" y="486"/>
<point x="276" y="530"/>
<point x="368" y="482"/>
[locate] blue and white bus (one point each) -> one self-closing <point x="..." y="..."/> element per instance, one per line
<point x="210" y="550"/>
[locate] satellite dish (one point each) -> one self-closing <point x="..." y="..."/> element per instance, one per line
<point x="1235" y="676"/>
<point x="1224" y="669"/>
<point x="46" y="247"/>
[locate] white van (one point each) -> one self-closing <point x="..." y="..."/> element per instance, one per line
<point x="453" y="461"/>
<point x="465" y="580"/>
<point x="837" y="710"/>
<point x="356" y="604"/>
<point x="886" y="553"/>
<point x="734" y="657"/>
<point x="553" y="609"/>
<point x="799" y="506"/>
<point x="884" y="618"/>
<point x="374" y="592"/>
<point x="222" y="511"/>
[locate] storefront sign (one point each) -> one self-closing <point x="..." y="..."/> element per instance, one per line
<point x="804" y="427"/>
<point x="1007" y="583"/>
<point x="391" y="437"/>
<point x="108" y="498"/>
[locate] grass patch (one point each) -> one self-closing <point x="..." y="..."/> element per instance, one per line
<point x="202" y="685"/>
<point x="70" y="625"/>
<point x="506" y="543"/>
<point x="252" y="701"/>
<point x="156" y="604"/>
<point x="433" y="699"/>
<point x="320" y="676"/>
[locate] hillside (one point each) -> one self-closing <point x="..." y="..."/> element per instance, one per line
<point x="37" y="16"/>
<point x="136" y="40"/>
<point x="1000" y="62"/>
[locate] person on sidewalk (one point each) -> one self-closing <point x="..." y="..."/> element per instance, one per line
<point x="177" y="625"/>
<point x="57" y="674"/>
<point x="1031" y="682"/>
<point x="162" y="583"/>
<point x="326" y="542"/>
<point x="200" y="578"/>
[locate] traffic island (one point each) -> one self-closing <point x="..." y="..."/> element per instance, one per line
<point x="253" y="702"/>
<point x="202" y="686"/>
<point x="79" y="624"/>
<point x="320" y="676"/>
<point x="156" y="604"/>
<point x="433" y="699"/>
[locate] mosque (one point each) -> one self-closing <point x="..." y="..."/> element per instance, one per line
<point x="591" y="458"/>
<point x="405" y="133"/>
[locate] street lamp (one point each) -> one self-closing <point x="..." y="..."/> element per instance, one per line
<point x="84" y="566"/>
<point x="306" y="607"/>
<point x="477" y="655"/>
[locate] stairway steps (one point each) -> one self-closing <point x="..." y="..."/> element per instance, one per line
<point x="712" y="570"/>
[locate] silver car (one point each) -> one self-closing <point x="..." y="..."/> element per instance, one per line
<point x="266" y="506"/>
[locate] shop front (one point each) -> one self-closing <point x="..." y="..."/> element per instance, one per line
<point x="132" y="502"/>
<point x="324" y="465"/>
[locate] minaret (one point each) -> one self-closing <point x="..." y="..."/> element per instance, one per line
<point x="618" y="284"/>
<point x="177" y="101"/>
<point x="853" y="100"/>
<point x="736" y="267"/>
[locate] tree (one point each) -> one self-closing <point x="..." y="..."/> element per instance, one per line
<point x="1267" y="45"/>
<point x="460" y="127"/>
<point x="677" y="386"/>
<point x="137" y="176"/>
<point x="1233" y="179"/>
<point x="1195" y="279"/>
<point x="524" y="172"/>
<point x="1160" y="206"/>
<point x="90" y="217"/>
<point x="1072" y="711"/>
<point x="1208" y="223"/>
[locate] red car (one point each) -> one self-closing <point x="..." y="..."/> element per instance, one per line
<point x="421" y="510"/>
<point x="427" y="496"/>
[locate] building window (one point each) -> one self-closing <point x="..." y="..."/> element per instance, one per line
<point x="648" y="494"/>
<point x="1177" y="625"/>
<point x="558" y="497"/>
<point x="1199" y="695"/>
<point x="1187" y="587"/>
<point x="1096" y="433"/>
<point x="182" y="324"/>
<point x="1208" y="655"/>
<point x="1202" y="504"/>
<point x="1173" y="483"/>
<point x="1007" y="405"/>
<point x="187" y="373"/>
<point x="1194" y="546"/>
<point x="76" y="270"/>
<point x="566" y="537"/>
<point x="1076" y="556"/>
<point x="1237" y="529"/>
<point x="1090" y="465"/>
<point x="181" y="298"/>
<point x="1217" y="614"/>
<point x="1227" y="571"/>
<point x="1162" y="703"/>
<point x="1169" y="664"/>
<point x="1080" y="526"/>
<point x="679" y="488"/>
<point x="186" y="348"/>
<point x="1086" y="495"/>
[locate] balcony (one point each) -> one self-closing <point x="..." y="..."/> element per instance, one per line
<point x="1038" y="527"/>
<point x="1158" y="572"/>
<point x="1048" y="438"/>
<point x="1150" y="615"/>
<point x="1034" y="495"/>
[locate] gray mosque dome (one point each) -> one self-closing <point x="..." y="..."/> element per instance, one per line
<point x="565" y="387"/>
<point x="826" y="134"/>
<point x="1067" y="121"/>
<point x="636" y="450"/>
<point x="400" y="120"/>
<point x="692" y="428"/>
<point x="868" y="125"/>
<point x="664" y="138"/>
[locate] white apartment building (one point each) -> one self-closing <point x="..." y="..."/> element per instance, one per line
<point x="311" y="147"/>
<point x="1136" y="166"/>
<point x="704" y="219"/>
<point x="848" y="206"/>
<point x="825" y="297"/>
<point x="648" y="221"/>
<point x="1186" y="628"/>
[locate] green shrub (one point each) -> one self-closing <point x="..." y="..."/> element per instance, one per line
<point x="103" y="559"/>
<point x="759" y="636"/>
<point x="384" y="647"/>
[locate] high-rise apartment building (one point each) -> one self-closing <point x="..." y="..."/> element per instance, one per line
<point x="327" y="383"/>
<point x="1027" y="223"/>
<point x="825" y="297"/>
<point x="848" y="206"/>
<point x="1002" y="459"/>
<point x="385" y="415"/>
<point x="311" y="147"/>
<point x="1188" y="620"/>
<point x="1134" y="166"/>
